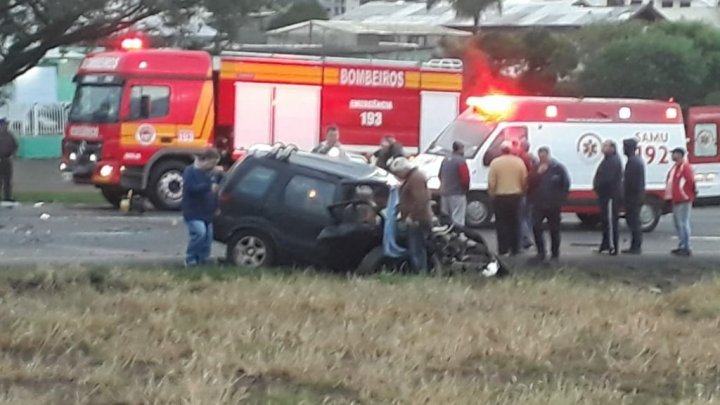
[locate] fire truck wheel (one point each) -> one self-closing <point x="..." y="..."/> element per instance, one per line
<point x="589" y="220"/>
<point x="165" y="187"/>
<point x="250" y="249"/>
<point x="650" y="214"/>
<point x="479" y="210"/>
<point x="113" y="195"/>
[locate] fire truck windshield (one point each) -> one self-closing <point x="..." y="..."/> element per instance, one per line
<point x="471" y="132"/>
<point x="96" y="104"/>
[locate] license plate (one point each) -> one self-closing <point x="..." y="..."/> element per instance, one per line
<point x="67" y="176"/>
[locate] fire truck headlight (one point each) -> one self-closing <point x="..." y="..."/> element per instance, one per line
<point x="73" y="156"/>
<point x="710" y="178"/>
<point x="63" y="166"/>
<point x="433" y="183"/>
<point x="106" y="171"/>
<point x="93" y="158"/>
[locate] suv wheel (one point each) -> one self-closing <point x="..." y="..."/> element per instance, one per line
<point x="250" y="249"/>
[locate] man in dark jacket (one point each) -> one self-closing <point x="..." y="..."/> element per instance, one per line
<point x="454" y="184"/>
<point x="634" y="194"/>
<point x="607" y="184"/>
<point x="389" y="149"/>
<point x="414" y="210"/>
<point x="200" y="186"/>
<point x="8" y="149"/>
<point x="548" y="187"/>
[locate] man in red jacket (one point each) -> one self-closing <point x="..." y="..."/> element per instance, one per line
<point x="681" y="192"/>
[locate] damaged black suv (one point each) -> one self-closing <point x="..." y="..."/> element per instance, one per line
<point x="275" y="203"/>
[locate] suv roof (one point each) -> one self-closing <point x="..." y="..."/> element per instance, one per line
<point x="346" y="169"/>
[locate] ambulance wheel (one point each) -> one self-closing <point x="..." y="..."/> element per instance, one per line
<point x="113" y="195"/>
<point x="650" y="214"/>
<point x="589" y="220"/>
<point x="479" y="210"/>
<point x="166" y="185"/>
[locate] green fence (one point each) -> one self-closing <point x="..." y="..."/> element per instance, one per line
<point x="40" y="147"/>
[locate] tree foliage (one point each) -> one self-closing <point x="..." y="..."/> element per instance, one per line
<point x="679" y="60"/>
<point x="656" y="66"/>
<point x="29" y="28"/>
<point x="529" y="63"/>
<point x="475" y="9"/>
<point x="299" y="12"/>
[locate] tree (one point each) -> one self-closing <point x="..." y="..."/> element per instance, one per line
<point x="651" y="66"/>
<point x="474" y="9"/>
<point x="299" y="12"/>
<point x="29" y="28"/>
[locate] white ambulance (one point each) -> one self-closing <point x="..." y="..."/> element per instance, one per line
<point x="574" y="129"/>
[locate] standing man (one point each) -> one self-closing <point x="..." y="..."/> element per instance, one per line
<point x="414" y="210"/>
<point x="548" y="188"/>
<point x="200" y="186"/>
<point x="681" y="191"/>
<point x="455" y="184"/>
<point x="331" y="146"/>
<point x="634" y="182"/>
<point x="526" y="223"/>
<point x="8" y="149"/>
<point x="608" y="187"/>
<point x="389" y="149"/>
<point x="507" y="183"/>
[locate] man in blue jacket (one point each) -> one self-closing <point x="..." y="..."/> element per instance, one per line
<point x="548" y="188"/>
<point x="608" y="185"/>
<point x="200" y="186"/>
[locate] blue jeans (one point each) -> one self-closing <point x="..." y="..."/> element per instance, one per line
<point x="526" y="224"/>
<point x="681" y="217"/>
<point x="201" y="236"/>
<point x="417" y="247"/>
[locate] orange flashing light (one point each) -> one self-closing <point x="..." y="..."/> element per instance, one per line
<point x="132" y="44"/>
<point x="493" y="107"/>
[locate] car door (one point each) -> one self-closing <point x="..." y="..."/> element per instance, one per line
<point x="300" y="213"/>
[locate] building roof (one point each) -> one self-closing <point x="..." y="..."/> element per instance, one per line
<point x="370" y="27"/>
<point x="707" y="15"/>
<point x="530" y="13"/>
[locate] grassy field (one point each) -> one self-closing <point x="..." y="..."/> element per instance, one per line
<point x="79" y="336"/>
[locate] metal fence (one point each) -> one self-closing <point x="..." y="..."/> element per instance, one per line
<point x="40" y="119"/>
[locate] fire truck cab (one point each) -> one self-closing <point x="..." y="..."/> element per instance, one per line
<point x="574" y="130"/>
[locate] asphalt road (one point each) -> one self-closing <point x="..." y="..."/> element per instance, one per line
<point x="55" y="233"/>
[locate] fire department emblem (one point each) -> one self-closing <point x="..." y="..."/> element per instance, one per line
<point x="589" y="147"/>
<point x="145" y="134"/>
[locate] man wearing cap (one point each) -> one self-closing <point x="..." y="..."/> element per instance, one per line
<point x="415" y="210"/>
<point x="681" y="191"/>
<point x="200" y="186"/>
<point x="454" y="184"/>
<point x="507" y="184"/>
<point x="8" y="149"/>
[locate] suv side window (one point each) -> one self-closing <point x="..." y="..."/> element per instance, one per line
<point x="513" y="134"/>
<point x="309" y="196"/>
<point x="255" y="183"/>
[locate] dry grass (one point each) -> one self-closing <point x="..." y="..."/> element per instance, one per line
<point x="75" y="336"/>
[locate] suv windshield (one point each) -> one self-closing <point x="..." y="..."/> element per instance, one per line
<point x="472" y="132"/>
<point x="96" y="104"/>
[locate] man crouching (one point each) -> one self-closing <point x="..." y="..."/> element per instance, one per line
<point x="200" y="186"/>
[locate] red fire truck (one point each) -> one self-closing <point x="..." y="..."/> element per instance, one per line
<point x="139" y="117"/>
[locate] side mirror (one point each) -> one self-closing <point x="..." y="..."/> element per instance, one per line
<point x="145" y="107"/>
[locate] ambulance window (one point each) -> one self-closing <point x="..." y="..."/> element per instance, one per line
<point x="158" y="98"/>
<point x="705" y="142"/>
<point x="514" y="134"/>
